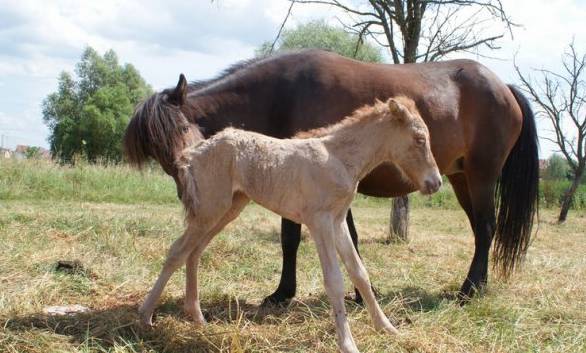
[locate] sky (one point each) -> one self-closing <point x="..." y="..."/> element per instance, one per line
<point x="41" y="38"/>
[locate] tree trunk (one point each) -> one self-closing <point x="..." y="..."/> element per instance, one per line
<point x="399" y="229"/>
<point x="569" y="196"/>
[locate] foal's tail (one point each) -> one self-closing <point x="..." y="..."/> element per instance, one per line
<point x="517" y="193"/>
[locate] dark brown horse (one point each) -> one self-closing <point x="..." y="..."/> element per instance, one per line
<point x="483" y="136"/>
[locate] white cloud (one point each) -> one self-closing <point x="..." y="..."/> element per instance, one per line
<point x="200" y="38"/>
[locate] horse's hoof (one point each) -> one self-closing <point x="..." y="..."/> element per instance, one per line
<point x="276" y="299"/>
<point x="463" y="298"/>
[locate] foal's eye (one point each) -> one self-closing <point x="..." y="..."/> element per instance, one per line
<point x="420" y="140"/>
<point x="184" y="129"/>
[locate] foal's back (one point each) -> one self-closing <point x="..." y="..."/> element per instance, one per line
<point x="283" y="175"/>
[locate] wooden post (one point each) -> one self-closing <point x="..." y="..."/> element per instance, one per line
<point x="399" y="227"/>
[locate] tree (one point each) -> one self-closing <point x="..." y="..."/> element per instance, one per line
<point x="421" y="31"/>
<point x="318" y="34"/>
<point x="88" y="116"/>
<point x="561" y="98"/>
<point x="557" y="168"/>
<point x="33" y="152"/>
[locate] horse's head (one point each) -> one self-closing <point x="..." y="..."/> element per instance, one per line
<point x="410" y="145"/>
<point x="159" y="129"/>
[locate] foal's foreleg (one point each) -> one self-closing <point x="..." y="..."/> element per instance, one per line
<point x="322" y="231"/>
<point x="359" y="277"/>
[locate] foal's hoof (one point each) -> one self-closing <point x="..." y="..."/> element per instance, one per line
<point x="196" y="317"/>
<point x="390" y="329"/>
<point x="146" y="319"/>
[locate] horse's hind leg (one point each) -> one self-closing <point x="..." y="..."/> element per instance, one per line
<point x="359" y="277"/>
<point x="481" y="184"/>
<point x="191" y="304"/>
<point x="322" y="231"/>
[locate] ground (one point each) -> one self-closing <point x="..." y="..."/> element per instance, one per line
<point x="121" y="248"/>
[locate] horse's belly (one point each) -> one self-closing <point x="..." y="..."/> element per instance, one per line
<point x="385" y="181"/>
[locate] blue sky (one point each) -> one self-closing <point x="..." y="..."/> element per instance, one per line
<point x="38" y="39"/>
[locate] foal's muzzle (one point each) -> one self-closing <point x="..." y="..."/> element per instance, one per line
<point x="431" y="184"/>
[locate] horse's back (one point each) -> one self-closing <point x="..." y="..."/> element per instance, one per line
<point x="466" y="107"/>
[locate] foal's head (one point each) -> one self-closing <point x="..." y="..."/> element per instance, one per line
<point x="410" y="146"/>
<point x="160" y="130"/>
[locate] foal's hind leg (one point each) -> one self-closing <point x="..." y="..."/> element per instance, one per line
<point x="359" y="277"/>
<point x="192" y="305"/>
<point x="178" y="254"/>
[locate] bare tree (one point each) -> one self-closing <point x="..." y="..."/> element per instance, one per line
<point x="421" y="31"/>
<point x="561" y="98"/>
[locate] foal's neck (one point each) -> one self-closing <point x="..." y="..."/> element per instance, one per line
<point x="361" y="146"/>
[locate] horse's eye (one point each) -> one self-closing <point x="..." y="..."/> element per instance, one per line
<point x="420" y="140"/>
<point x="184" y="129"/>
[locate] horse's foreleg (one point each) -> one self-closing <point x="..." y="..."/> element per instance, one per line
<point x="354" y="236"/>
<point x="178" y="254"/>
<point x="323" y="233"/>
<point x="192" y="304"/>
<point x="360" y="279"/>
<point x="290" y="239"/>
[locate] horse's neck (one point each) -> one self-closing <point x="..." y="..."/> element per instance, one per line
<point x="360" y="147"/>
<point x="215" y="110"/>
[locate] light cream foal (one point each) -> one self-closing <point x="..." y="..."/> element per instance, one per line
<point x="310" y="180"/>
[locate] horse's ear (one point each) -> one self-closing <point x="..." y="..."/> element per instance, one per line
<point x="179" y="94"/>
<point x="397" y="109"/>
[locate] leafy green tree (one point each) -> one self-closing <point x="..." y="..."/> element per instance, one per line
<point x="32" y="152"/>
<point x="87" y="116"/>
<point x="318" y="34"/>
<point x="557" y="168"/>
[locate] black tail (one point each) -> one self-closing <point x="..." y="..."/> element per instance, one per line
<point x="517" y="193"/>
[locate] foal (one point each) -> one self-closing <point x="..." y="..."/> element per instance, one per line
<point x="311" y="180"/>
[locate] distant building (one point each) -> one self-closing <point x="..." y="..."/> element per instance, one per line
<point x="20" y="152"/>
<point x="5" y="153"/>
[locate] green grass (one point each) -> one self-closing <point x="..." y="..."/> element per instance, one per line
<point x="45" y="180"/>
<point x="122" y="244"/>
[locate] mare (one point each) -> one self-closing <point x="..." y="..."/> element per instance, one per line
<point x="483" y="137"/>
<point x="310" y="180"/>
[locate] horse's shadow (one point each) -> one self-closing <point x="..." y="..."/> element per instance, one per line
<point x="119" y="323"/>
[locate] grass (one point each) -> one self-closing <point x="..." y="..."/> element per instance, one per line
<point x="121" y="240"/>
<point x="122" y="246"/>
<point x="44" y="180"/>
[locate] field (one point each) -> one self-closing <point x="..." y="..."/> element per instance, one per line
<point x="118" y="224"/>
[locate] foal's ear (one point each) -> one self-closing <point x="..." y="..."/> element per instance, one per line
<point x="397" y="109"/>
<point x="179" y="94"/>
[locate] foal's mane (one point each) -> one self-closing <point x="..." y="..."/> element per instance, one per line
<point x="362" y="114"/>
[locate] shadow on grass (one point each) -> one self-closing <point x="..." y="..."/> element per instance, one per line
<point x="118" y="325"/>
